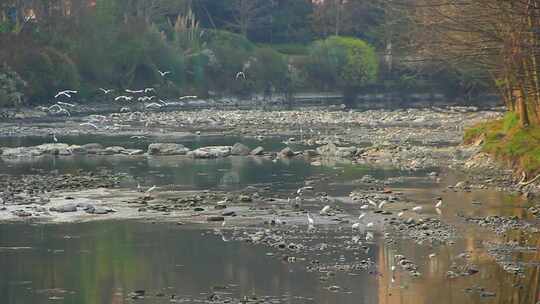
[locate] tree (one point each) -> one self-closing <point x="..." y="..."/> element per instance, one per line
<point x="345" y="63"/>
<point x="249" y="15"/>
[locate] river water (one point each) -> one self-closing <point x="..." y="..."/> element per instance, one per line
<point x="105" y="262"/>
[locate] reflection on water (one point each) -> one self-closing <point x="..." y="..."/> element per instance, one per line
<point x="184" y="172"/>
<point x="103" y="262"/>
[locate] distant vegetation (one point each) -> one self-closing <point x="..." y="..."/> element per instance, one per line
<point x="280" y="46"/>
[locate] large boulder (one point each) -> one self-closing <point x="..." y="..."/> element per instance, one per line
<point x="211" y="152"/>
<point x="240" y="149"/>
<point x="167" y="149"/>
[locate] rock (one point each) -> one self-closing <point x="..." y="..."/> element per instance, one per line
<point x="76" y="149"/>
<point x="240" y="149"/>
<point x="54" y="149"/>
<point x="311" y="153"/>
<point x="228" y="213"/>
<point x="99" y="210"/>
<point x="92" y="148"/>
<point x="331" y="150"/>
<point x="287" y="152"/>
<point x="132" y="152"/>
<point x="257" y="151"/>
<point x="211" y="152"/>
<point x="21" y="213"/>
<point x="65" y="208"/>
<point x="245" y="198"/>
<point x="167" y="149"/>
<point x="215" y="218"/>
<point x="16" y="152"/>
<point x="115" y="150"/>
<point x="327" y="150"/>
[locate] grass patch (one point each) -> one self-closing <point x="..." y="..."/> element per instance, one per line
<point x="506" y="141"/>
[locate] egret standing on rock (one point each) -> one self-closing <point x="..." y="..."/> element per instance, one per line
<point x="311" y="222"/>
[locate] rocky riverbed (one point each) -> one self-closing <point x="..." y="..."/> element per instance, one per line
<point x="315" y="187"/>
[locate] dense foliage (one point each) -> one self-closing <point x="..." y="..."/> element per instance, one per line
<point x="280" y="46"/>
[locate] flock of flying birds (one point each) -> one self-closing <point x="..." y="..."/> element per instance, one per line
<point x="145" y="95"/>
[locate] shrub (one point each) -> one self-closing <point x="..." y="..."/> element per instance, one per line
<point x="346" y="63"/>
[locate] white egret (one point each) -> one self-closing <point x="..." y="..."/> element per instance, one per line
<point x="154" y="187"/>
<point x="364" y="207"/>
<point x="187" y="97"/>
<point x="153" y="105"/>
<point x="105" y="91"/>
<point x="400" y="214"/>
<point x="89" y="124"/>
<point x="417" y="209"/>
<point x="165" y="73"/>
<point x="325" y="210"/>
<point x="66" y="104"/>
<point x="369" y="225"/>
<point x="432" y="255"/>
<point x="311" y="222"/>
<point x="240" y="74"/>
<point x="439" y="204"/>
<point x="361" y="215"/>
<point x="54" y="138"/>
<point x="65" y="93"/>
<point x="123" y="97"/>
<point x="382" y="204"/>
<point x="135" y="91"/>
<point x="372" y="203"/>
<point x="369" y="236"/>
<point x="355" y="226"/>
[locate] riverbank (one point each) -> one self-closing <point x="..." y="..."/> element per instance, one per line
<point x="517" y="148"/>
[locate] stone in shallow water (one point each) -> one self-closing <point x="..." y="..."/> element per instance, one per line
<point x="257" y="151"/>
<point x="287" y="152"/>
<point x="211" y="152"/>
<point x="167" y="149"/>
<point x="65" y="208"/>
<point x="240" y="149"/>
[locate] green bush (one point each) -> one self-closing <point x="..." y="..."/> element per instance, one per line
<point x="232" y="52"/>
<point x="346" y="63"/>
<point x="47" y="71"/>
<point x="268" y="67"/>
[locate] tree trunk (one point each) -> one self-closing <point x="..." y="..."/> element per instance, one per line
<point x="521" y="106"/>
